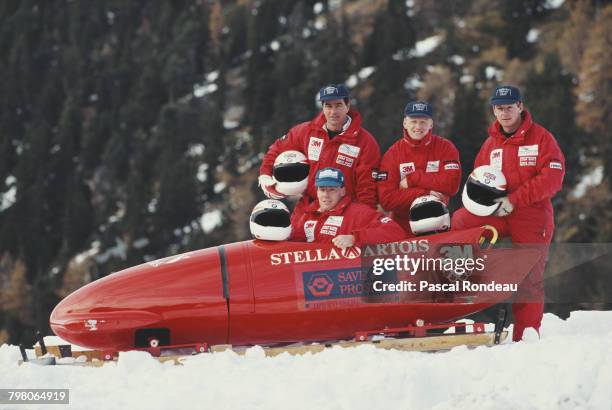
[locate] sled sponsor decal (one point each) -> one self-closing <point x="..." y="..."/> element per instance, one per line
<point x="433" y="166"/>
<point x="527" y="161"/>
<point x="528" y="150"/>
<point x="344" y="160"/>
<point x="309" y="230"/>
<point x="555" y="165"/>
<point x="325" y="289"/>
<point x="314" y="148"/>
<point x="350" y="150"/>
<point x="495" y="158"/>
<point x="314" y="255"/>
<point x="406" y="168"/>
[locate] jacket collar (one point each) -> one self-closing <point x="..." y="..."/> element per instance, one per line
<point x="347" y="135"/>
<point x="423" y="143"/>
<point x="495" y="130"/>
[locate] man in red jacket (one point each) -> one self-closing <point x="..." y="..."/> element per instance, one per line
<point x="334" y="138"/>
<point x="334" y="217"/>
<point x="418" y="164"/>
<point x="534" y="166"/>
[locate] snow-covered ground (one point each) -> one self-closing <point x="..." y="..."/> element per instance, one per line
<point x="569" y="368"/>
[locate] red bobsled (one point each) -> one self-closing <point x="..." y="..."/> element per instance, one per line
<point x="258" y="292"/>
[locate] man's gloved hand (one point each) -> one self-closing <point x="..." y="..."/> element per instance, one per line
<point x="344" y="241"/>
<point x="267" y="186"/>
<point x="505" y="207"/>
<point x="439" y="195"/>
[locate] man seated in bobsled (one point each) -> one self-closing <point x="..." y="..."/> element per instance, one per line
<point x="333" y="218"/>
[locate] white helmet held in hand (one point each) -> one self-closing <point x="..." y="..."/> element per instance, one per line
<point x="484" y="185"/>
<point x="429" y="214"/>
<point x="271" y="221"/>
<point x="290" y="173"/>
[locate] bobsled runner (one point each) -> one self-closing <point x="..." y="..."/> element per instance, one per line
<point x="277" y="293"/>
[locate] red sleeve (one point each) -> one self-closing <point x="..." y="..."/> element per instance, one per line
<point x="448" y="177"/>
<point x="391" y="196"/>
<point x="297" y="226"/>
<point x="365" y="184"/>
<point x="290" y="141"/>
<point x="379" y="229"/>
<point x="483" y="157"/>
<point x="549" y="179"/>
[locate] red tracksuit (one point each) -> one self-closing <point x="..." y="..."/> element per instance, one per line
<point x="347" y="218"/>
<point x="534" y="167"/>
<point x="431" y="164"/>
<point x="355" y="152"/>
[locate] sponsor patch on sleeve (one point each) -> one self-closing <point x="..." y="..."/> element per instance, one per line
<point x="451" y="165"/>
<point x="555" y="165"/>
<point x="378" y="175"/>
<point x="385" y="220"/>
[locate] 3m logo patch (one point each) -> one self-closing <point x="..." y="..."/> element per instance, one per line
<point x="527" y="161"/>
<point x="528" y="150"/>
<point x="406" y="168"/>
<point x="495" y="158"/>
<point x="315" y="146"/>
<point x="433" y="166"/>
<point x="350" y="150"/>
<point x="555" y="165"/>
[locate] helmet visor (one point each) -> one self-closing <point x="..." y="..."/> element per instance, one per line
<point x="483" y="194"/>
<point x="272" y="217"/>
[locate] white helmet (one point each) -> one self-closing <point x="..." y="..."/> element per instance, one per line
<point x="429" y="214"/>
<point x="290" y="173"/>
<point x="271" y="221"/>
<point x="484" y="185"/>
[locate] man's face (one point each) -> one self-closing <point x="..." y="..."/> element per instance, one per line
<point x="509" y="115"/>
<point x="329" y="197"/>
<point x="335" y="113"/>
<point x="418" y="127"/>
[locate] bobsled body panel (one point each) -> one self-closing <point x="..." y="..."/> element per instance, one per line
<point x="258" y="292"/>
<point x="183" y="294"/>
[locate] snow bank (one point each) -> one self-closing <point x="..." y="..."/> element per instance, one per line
<point x="570" y="367"/>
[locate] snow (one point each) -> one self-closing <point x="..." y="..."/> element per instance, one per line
<point x="210" y="220"/>
<point x="494" y="73"/>
<point x="594" y="178"/>
<point x="553" y="4"/>
<point x="570" y="367"/>
<point x="533" y="35"/>
<point x="202" y="90"/>
<point x="426" y="46"/>
<point x="456" y="59"/>
<point x="8" y="198"/>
